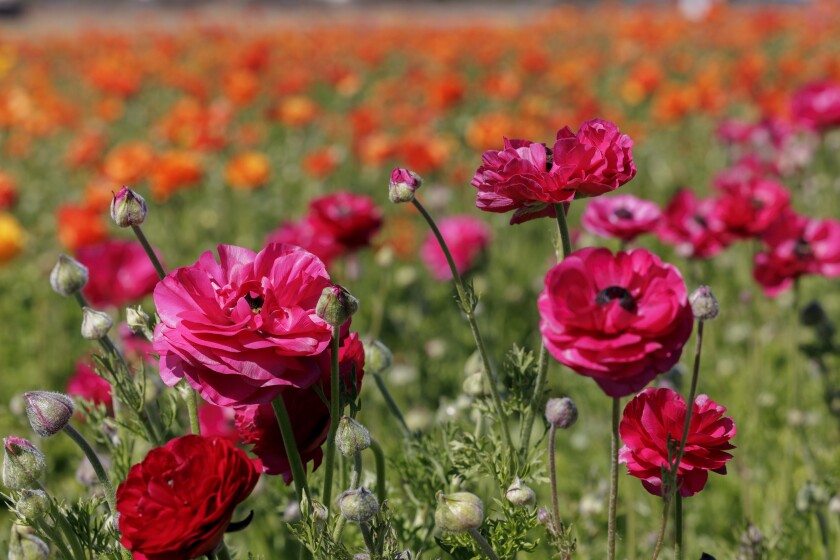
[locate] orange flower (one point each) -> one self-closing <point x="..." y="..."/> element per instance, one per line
<point x="320" y="163"/>
<point x="248" y="170"/>
<point x="295" y="111"/>
<point x="486" y="131"/>
<point x="8" y="191"/>
<point x="241" y="87"/>
<point x="173" y="171"/>
<point x="99" y="192"/>
<point x="128" y="163"/>
<point x="79" y="226"/>
<point x="85" y="149"/>
<point x="12" y="237"/>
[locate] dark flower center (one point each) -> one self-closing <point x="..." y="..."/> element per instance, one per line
<point x="700" y="220"/>
<point x="623" y="214"/>
<point x="802" y="248"/>
<point x="254" y="302"/>
<point x="625" y="299"/>
<point x="549" y="159"/>
<point x="757" y="204"/>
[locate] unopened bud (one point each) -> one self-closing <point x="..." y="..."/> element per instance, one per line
<point x="476" y="385"/>
<point x="358" y="505"/>
<point x="23" y="463"/>
<point x="128" y="208"/>
<point x="336" y="305"/>
<point x="458" y="512"/>
<point x="520" y="495"/>
<point x="137" y="320"/>
<point x="95" y="324"/>
<point x="403" y="184"/>
<point x="68" y="276"/>
<point x="703" y="304"/>
<point x="32" y="504"/>
<point x="378" y="357"/>
<point x="561" y="413"/>
<point x="48" y="412"/>
<point x="351" y="437"/>
<point x="24" y="545"/>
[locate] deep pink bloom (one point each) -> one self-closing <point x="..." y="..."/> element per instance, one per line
<point x="119" y="272"/>
<point x="654" y="419"/>
<point x="817" y="105"/>
<point x="217" y="421"/>
<point x="87" y="385"/>
<point x="693" y="226"/>
<point x="304" y="233"/>
<point x="466" y="238"/>
<point x="238" y="330"/>
<point x="310" y="417"/>
<point x="794" y="246"/>
<point x="528" y="178"/>
<point x="749" y="202"/>
<point x="351" y="219"/>
<point x="623" y="216"/>
<point x="621" y="319"/>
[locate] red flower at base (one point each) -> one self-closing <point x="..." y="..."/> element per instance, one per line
<point x="655" y="418"/>
<point x="693" y="226"/>
<point x="179" y="500"/>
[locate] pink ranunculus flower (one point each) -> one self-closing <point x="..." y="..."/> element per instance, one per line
<point x="304" y="233"/>
<point x="217" y="421"/>
<point x="749" y="203"/>
<point x="795" y="246"/>
<point x="466" y="238"/>
<point x="351" y="219"/>
<point x="693" y="226"/>
<point x="655" y="419"/>
<point x="623" y="216"/>
<point x="119" y="272"/>
<point x="621" y="319"/>
<point x="238" y="330"/>
<point x="817" y="105"/>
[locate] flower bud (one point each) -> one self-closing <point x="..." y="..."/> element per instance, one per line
<point x="378" y="357"/>
<point x="48" y="412"/>
<point x="703" y="304"/>
<point x="520" y="495"/>
<point x="336" y="305"/>
<point x="351" y="437"/>
<point x="320" y="514"/>
<point x="95" y="324"/>
<point x="137" y="320"/>
<point x="23" y="463"/>
<point x="458" y="512"/>
<point x="128" y="208"/>
<point x="68" y="276"/>
<point x="403" y="184"/>
<point x="561" y="413"/>
<point x="358" y="505"/>
<point x="544" y="518"/>
<point x="32" y="504"/>
<point x="24" y="545"/>
<point x="476" y="385"/>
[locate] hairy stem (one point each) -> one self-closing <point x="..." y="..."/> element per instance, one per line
<point x="379" y="458"/>
<point x="483" y="544"/>
<point x="393" y="407"/>
<point x="141" y="237"/>
<point x="101" y="473"/>
<point x="192" y="408"/>
<point x="335" y="411"/>
<point x="611" y="532"/>
<point x="552" y="468"/>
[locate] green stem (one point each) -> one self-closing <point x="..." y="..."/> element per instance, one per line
<point x="824" y="534"/>
<point x="552" y="468"/>
<point x="101" y="473"/>
<point x="356" y="475"/>
<point x="379" y="458"/>
<point x="483" y="544"/>
<point x="290" y="445"/>
<point x="222" y="552"/>
<point x="563" y="225"/>
<point x="335" y="412"/>
<point x="368" y="538"/>
<point x="192" y="408"/>
<point x="678" y="528"/>
<point x="141" y="237"/>
<point x="663" y="524"/>
<point x="55" y="537"/>
<point x="611" y="531"/>
<point x="391" y="403"/>
<point x="468" y="309"/>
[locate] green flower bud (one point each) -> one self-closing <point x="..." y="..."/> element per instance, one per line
<point x="378" y="357"/>
<point x="32" y="504"/>
<point x="128" y="208"/>
<point x="458" y="512"/>
<point x="520" y="495"/>
<point x="561" y="412"/>
<point x="23" y="463"/>
<point x="336" y="305"/>
<point x="703" y="304"/>
<point x="48" y="412"/>
<point x="137" y="320"/>
<point x="351" y="437"/>
<point x="476" y="385"/>
<point x="95" y="324"/>
<point x="473" y="364"/>
<point x="68" y="276"/>
<point x="403" y="184"/>
<point x="358" y="505"/>
<point x="24" y="545"/>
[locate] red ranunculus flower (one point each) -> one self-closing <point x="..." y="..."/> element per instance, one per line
<point x="466" y="238"/>
<point x="238" y="330"/>
<point x="351" y="219"/>
<point x="796" y="245"/>
<point x="310" y="417"/>
<point x="87" y="385"/>
<point x="817" y="105"/>
<point x="177" y="503"/>
<point x="749" y="202"/>
<point x="119" y="272"/>
<point x="693" y="226"/>
<point x="621" y="319"/>
<point x="655" y="418"/>
<point x="529" y="178"/>
<point x="623" y="216"/>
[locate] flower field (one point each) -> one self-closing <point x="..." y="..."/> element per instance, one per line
<point x="553" y="229"/>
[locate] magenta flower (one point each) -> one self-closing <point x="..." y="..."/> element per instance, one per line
<point x="351" y="219"/>
<point x="693" y="226"/>
<point x="621" y="319"/>
<point x="654" y="419"/>
<point x="795" y="246"/>
<point x="304" y="233"/>
<point x="623" y="216"/>
<point x="119" y="272"/>
<point x="87" y="385"/>
<point x="218" y="421"/>
<point x="749" y="202"/>
<point x="817" y="105"/>
<point x="238" y="330"/>
<point x="466" y="238"/>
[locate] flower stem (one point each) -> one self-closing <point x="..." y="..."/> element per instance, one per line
<point x="222" y="552"/>
<point x="483" y="544"/>
<point x="379" y="458"/>
<point x="552" y="468"/>
<point x="393" y="407"/>
<point x="469" y="310"/>
<point x="141" y="237"/>
<point x="335" y="412"/>
<point x="192" y="408"/>
<point x="101" y="473"/>
<point x="611" y="532"/>
<point x="663" y="524"/>
<point x="290" y="445"/>
<point x="563" y="225"/>
<point x="368" y="538"/>
<point x="678" y="528"/>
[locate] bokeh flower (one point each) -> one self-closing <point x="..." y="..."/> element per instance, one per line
<point x="119" y="272"/>
<point x="622" y="216"/>
<point x="465" y="236"/>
